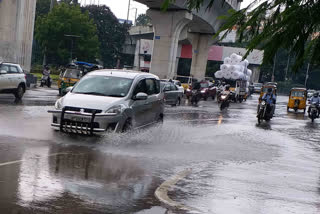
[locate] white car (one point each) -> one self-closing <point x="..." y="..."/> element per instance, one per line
<point x="12" y="79"/>
<point x="109" y="100"/>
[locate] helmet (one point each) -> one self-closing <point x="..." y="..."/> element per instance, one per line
<point x="269" y="90"/>
<point x="316" y="94"/>
<point x="228" y="87"/>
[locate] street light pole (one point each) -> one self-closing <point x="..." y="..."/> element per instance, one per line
<point x="72" y="37"/>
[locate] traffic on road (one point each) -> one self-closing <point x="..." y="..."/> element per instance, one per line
<point x="217" y="159"/>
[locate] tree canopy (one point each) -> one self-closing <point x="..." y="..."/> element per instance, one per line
<point x="143" y="20"/>
<point x="52" y="29"/>
<point x="272" y="25"/>
<point x="111" y="33"/>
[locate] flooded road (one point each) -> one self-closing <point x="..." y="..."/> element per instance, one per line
<point x="236" y="165"/>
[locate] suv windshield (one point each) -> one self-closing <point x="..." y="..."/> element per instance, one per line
<point x="103" y="86"/>
<point x="72" y="73"/>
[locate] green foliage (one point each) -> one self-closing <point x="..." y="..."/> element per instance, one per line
<point x="111" y="33"/>
<point x="42" y="7"/>
<point x="143" y="20"/>
<point x="64" y="20"/>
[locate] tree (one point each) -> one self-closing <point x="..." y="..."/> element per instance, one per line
<point x="43" y="7"/>
<point x="51" y="31"/>
<point x="111" y="33"/>
<point x="271" y="25"/>
<point x="70" y="1"/>
<point x="143" y="20"/>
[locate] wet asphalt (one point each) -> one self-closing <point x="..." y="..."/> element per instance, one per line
<point x="237" y="166"/>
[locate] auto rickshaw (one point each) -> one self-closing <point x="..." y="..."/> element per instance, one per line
<point x="264" y="90"/>
<point x="297" y="99"/>
<point x="68" y="77"/>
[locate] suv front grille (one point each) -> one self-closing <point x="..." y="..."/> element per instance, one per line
<point x="86" y="110"/>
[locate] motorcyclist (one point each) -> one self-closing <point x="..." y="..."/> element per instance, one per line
<point x="222" y="86"/>
<point x="315" y="99"/>
<point x="226" y="91"/>
<point x="46" y="75"/>
<point x="271" y="99"/>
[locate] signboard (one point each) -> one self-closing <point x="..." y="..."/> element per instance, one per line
<point x="146" y="46"/>
<point x="218" y="53"/>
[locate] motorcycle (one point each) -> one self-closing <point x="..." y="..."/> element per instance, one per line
<point x="314" y="112"/>
<point x="195" y="97"/>
<point x="45" y="80"/>
<point x="263" y="113"/>
<point x="224" y="101"/>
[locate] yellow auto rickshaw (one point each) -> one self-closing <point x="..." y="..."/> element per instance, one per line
<point x="297" y="99"/>
<point x="68" y="78"/>
<point x="265" y="88"/>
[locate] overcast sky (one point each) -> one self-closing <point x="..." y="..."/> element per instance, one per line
<point x="120" y="7"/>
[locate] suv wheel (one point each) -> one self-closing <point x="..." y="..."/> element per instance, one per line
<point x="19" y="92"/>
<point x="127" y="126"/>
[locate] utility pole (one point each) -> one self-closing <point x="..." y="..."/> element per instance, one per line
<point x="128" y="11"/>
<point x="307" y="76"/>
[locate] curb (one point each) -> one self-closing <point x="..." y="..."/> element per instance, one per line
<point x="161" y="193"/>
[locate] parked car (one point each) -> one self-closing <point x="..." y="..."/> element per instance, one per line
<point x="179" y="85"/>
<point x="12" y="79"/>
<point x="257" y="87"/>
<point x="172" y="94"/>
<point x="109" y="100"/>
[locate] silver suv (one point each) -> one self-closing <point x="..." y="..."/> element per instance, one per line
<point x="12" y="79"/>
<point x="109" y="100"/>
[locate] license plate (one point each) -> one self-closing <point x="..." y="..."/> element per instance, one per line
<point x="81" y="119"/>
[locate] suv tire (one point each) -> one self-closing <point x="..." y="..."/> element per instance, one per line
<point x="19" y="92"/>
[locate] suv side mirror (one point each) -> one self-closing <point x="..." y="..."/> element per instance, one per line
<point x="69" y="89"/>
<point x="3" y="72"/>
<point x="140" y="96"/>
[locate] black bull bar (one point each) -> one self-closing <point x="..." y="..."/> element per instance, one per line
<point x="79" y="127"/>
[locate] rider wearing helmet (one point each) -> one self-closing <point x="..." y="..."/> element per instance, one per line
<point x="271" y="99"/>
<point x="315" y="99"/>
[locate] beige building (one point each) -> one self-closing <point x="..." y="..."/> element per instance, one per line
<point x="16" y="31"/>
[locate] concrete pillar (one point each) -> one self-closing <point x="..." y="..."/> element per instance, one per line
<point x="167" y="28"/>
<point x="200" y="50"/>
<point x="137" y="56"/>
<point x="16" y="31"/>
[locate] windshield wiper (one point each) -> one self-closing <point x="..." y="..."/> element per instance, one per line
<point x="115" y="95"/>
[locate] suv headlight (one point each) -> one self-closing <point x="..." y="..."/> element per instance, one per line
<point x="58" y="104"/>
<point x="118" y="109"/>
